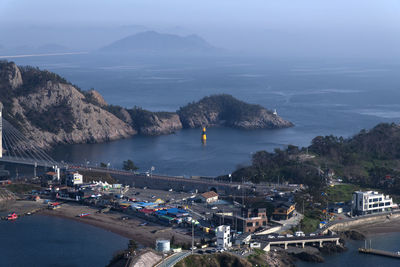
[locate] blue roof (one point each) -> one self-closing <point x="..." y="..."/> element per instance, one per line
<point x="161" y="212"/>
<point x="176" y="210"/>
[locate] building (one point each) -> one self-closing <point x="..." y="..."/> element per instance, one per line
<point x="248" y="220"/>
<point x="243" y="239"/>
<point x="74" y="178"/>
<point x="370" y="202"/>
<point x="283" y="210"/>
<point x="223" y="233"/>
<point x="209" y="197"/>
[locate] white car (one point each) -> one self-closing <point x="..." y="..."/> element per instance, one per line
<point x="271" y="236"/>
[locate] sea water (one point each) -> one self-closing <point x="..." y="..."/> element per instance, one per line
<point x="50" y="241"/>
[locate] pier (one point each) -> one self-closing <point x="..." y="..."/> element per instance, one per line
<point x="379" y="252"/>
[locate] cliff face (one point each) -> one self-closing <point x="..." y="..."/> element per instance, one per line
<point x="154" y="123"/>
<point x="53" y="112"/>
<point x="225" y="110"/>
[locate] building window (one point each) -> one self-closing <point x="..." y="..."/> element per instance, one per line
<point x="381" y="204"/>
<point x="264" y="223"/>
<point x="375" y="205"/>
<point x="249" y="224"/>
<point x="257" y="224"/>
<point x="387" y="204"/>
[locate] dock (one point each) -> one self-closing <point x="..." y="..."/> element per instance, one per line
<point x="379" y="252"/>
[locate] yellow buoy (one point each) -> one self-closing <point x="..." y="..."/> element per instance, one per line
<point x="203" y="135"/>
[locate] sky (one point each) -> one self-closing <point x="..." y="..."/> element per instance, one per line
<point x="283" y="26"/>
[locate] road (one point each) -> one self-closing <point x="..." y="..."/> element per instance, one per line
<point x="174" y="259"/>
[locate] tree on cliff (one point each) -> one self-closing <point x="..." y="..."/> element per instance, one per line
<point x="128" y="165"/>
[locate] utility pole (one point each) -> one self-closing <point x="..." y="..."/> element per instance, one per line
<point x="192" y="236"/>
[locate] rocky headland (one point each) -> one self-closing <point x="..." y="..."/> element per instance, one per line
<point x="50" y="110"/>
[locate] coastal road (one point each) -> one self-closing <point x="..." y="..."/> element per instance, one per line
<point x="174" y="259"/>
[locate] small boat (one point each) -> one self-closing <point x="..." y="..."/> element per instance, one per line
<point x="83" y="214"/>
<point x="12" y="216"/>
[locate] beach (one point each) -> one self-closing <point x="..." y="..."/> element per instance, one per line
<point x="145" y="235"/>
<point x="387" y="226"/>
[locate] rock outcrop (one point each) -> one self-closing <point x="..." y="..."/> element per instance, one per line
<point x="10" y="75"/>
<point x="225" y="110"/>
<point x="54" y="112"/>
<point x="154" y="123"/>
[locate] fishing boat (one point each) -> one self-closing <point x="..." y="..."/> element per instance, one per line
<point x="12" y="216"/>
<point x="83" y="214"/>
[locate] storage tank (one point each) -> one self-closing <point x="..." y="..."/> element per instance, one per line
<point x="163" y="245"/>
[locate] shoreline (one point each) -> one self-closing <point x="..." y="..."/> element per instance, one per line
<point x="376" y="228"/>
<point x="144" y="235"/>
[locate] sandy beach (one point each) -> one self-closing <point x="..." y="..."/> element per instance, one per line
<point x="111" y="221"/>
<point x="388" y="226"/>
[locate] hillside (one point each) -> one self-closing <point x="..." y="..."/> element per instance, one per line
<point x="154" y="42"/>
<point x="225" y="110"/>
<point x="370" y="159"/>
<point x="50" y="110"/>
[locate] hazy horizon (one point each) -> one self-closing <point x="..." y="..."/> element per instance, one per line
<point x="310" y="28"/>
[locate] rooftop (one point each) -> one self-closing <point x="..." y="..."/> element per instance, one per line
<point x="209" y="194"/>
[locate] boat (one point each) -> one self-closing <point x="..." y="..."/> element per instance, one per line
<point x="83" y="214"/>
<point x="12" y="216"/>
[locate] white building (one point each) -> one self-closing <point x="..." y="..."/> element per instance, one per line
<point x="74" y="178"/>
<point x="223" y="233"/>
<point x="370" y="202"/>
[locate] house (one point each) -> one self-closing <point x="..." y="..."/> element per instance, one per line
<point x="243" y="239"/>
<point x="74" y="178"/>
<point x="370" y="202"/>
<point x="209" y="197"/>
<point x="283" y="210"/>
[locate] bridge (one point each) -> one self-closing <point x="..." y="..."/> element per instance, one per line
<point x="296" y="240"/>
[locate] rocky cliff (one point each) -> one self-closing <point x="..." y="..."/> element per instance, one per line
<point x="52" y="111"/>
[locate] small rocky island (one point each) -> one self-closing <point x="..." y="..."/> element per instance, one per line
<point x="50" y="110"/>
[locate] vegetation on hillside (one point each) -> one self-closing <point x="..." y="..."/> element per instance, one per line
<point x="144" y="118"/>
<point x="213" y="260"/>
<point x="229" y="109"/>
<point x="369" y="159"/>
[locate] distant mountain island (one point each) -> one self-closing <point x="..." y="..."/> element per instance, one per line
<point x="50" y="110"/>
<point x="160" y="43"/>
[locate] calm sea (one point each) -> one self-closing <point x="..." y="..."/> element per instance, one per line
<point x="50" y="241"/>
<point x="351" y="258"/>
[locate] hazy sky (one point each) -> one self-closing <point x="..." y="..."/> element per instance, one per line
<point x="236" y="24"/>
